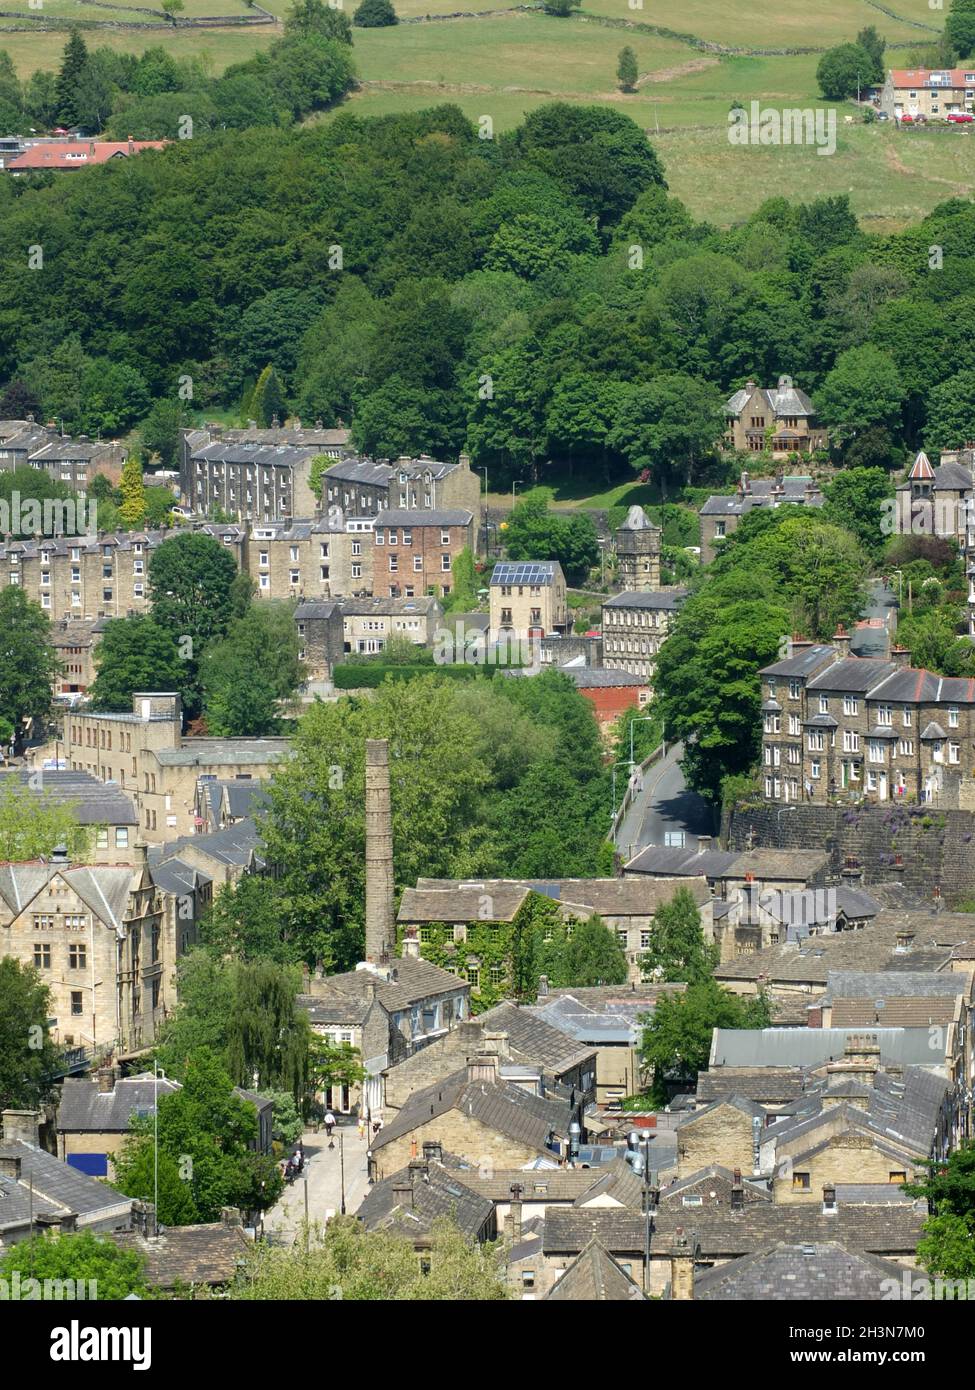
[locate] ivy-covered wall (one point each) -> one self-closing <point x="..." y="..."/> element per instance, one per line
<point x="507" y="956"/>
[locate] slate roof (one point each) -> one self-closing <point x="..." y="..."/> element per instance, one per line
<point x="611" y="897"/>
<point x="388" y="607"/>
<point x="595" y="1277"/>
<point x="92" y="802"/>
<point x="525" y="572"/>
<point x="581" y="1022"/>
<point x="415" y="518"/>
<point x="825" y="1272"/>
<point x="601" y="678"/>
<point x="84" y="1109"/>
<point x="637" y="520"/>
<point x="104" y="889"/>
<point x="668" y="599"/>
<point x="236" y="845"/>
<point x="57" y="1189"/>
<point x="570" y="1229"/>
<point x="462" y="902"/>
<point x="414" y="981"/>
<point x="812" y="1047"/>
<point x="435" y="1192"/>
<point x="852" y="674"/>
<point x="618" y="1182"/>
<point x="720" y="1232"/>
<point x="806" y="659"/>
<point x="679" y="863"/>
<point x="770" y="1085"/>
<point x="210" y="1254"/>
<point x="534" y="1038"/>
<point x="501" y="1106"/>
<point x="537" y="1184"/>
<point x="781" y="400"/>
<point x="212" y="752"/>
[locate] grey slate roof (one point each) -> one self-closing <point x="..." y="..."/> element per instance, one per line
<point x="212" y="752"/>
<point x="595" y="1277"/>
<point x="534" y="1037"/>
<point x="235" y="845"/>
<point x="92" y="802"/>
<point x="414" y="981"/>
<point x="668" y="599"/>
<point x="601" y="678"/>
<point x="858" y="984"/>
<point x="415" y="518"/>
<point x="811" y="1047"/>
<point x="57" y="1189"/>
<point x="852" y="674"/>
<point x="435" y="1192"/>
<point x="207" y="1254"/>
<point x="102" y="888"/>
<point x="806" y="659"/>
<point x="569" y="1230"/>
<point x="770" y="1085"/>
<point x="824" y="1272"/>
<point x="501" y="1106"/>
<point x="86" y="1110"/>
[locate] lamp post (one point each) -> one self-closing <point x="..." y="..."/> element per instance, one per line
<point x="642" y="719"/>
<point x="622" y="763"/>
<point x="778" y="821"/>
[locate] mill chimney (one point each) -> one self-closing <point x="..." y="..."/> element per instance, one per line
<point x="379" y="854"/>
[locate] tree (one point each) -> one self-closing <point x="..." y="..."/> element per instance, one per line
<point x="269" y="1034"/>
<point x="871" y="42"/>
<point x="287" y="1124"/>
<point x="315" y="17"/>
<point x="678" y="950"/>
<point x="374" y="14"/>
<point x="676" y="1042"/>
<point x="370" y="1265"/>
<point x="844" y="71"/>
<point x="160" y="431"/>
<point x="247" y="922"/>
<point x="191" y="579"/>
<point x="951" y="412"/>
<point x="627" y="70"/>
<point x="535" y="533"/>
<point x="31" y="826"/>
<point x="855" y="500"/>
<point x="204" y="1131"/>
<point x="561" y="8"/>
<point x="593" y="956"/>
<point x="28" y="661"/>
<point x="73" y="65"/>
<point x="960" y="27"/>
<point x="862" y="390"/>
<point x="267" y="403"/>
<point x="27" y="1054"/>
<point x="171" y="8"/>
<point x="135" y="654"/>
<point x="669" y="425"/>
<point x="333" y="1064"/>
<point x="18" y="401"/>
<point x="948" y="1248"/>
<point x="250" y="675"/>
<point x="133" y="509"/>
<point x="99" y="1268"/>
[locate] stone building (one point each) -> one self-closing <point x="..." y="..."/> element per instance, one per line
<point x="74" y="462"/>
<point x="325" y="558"/>
<point x="635" y="625"/>
<point x="90" y="577"/>
<point x="369" y="623"/>
<point x="41" y="1195"/>
<point x="638" y="543"/>
<point x="836" y="725"/>
<point x="781" y="419"/>
<point x="75" y="641"/>
<point x="146" y="753"/>
<point x="477" y="1116"/>
<point x="419" y="550"/>
<point x="96" y="935"/>
<point x="933" y="94"/>
<point x="528" y="600"/>
<point x="254" y="474"/>
<point x="321" y="636"/>
<point x="364" y="487"/>
<point x="107" y="811"/>
<point x="720" y="515"/>
<point x="941" y="502"/>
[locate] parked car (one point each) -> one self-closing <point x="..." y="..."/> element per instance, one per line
<point x="960" y="117"/>
<point x="882" y="116"/>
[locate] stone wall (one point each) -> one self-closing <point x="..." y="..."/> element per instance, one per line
<point x="923" y="848"/>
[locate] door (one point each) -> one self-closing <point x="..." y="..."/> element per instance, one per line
<point x="882" y="787"/>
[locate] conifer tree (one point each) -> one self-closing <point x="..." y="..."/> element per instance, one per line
<point x="73" y="64"/>
<point x="133" y="509"/>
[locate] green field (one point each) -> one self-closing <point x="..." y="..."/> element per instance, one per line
<point x="505" y="65"/>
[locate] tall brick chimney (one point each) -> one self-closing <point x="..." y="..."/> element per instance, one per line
<point x="379" y="854"/>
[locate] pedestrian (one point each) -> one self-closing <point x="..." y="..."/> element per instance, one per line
<point x="329" y="1123"/>
<point x="362" y="1126"/>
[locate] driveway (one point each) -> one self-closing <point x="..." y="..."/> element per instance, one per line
<point x="665" y="810"/>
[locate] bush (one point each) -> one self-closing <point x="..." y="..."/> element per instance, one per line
<point x="374" y="14"/>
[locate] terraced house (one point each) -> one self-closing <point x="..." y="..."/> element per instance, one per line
<point x="838" y="725"/>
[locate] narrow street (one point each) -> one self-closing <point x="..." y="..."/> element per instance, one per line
<point x="322" y="1177"/>
<point x="665" y="810"/>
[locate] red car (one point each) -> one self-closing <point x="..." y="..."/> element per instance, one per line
<point x="961" y="117"/>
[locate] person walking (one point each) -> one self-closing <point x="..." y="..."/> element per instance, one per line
<point x="329" y="1123"/>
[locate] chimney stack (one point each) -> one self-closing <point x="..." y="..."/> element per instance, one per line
<point x="379" y="854"/>
<point x="681" y="1268"/>
<point x="737" y="1192"/>
<point x="105" y="1077"/>
<point x="514" y="1213"/>
<point x="841" y="641"/>
<point x="21" y="1124"/>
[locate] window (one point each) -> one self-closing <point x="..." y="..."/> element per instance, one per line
<point x="121" y="837"/>
<point x="885" y="715"/>
<point x="719" y="530"/>
<point x="897" y="1175"/>
<point x="527" y="1278"/>
<point x="906" y="747"/>
<point x="445" y="563"/>
<point x="42" y="955"/>
<point x="800" y="1182"/>
<point x="815" y="768"/>
<point x="795" y="690"/>
<point x="908" y="718"/>
<point x="851" y="705"/>
<point x="393" y="563"/>
<point x="823" y="704"/>
<point x="265" y="581"/>
<point x="102" y="838"/>
<point x="497" y="974"/>
<point x="407" y="536"/>
<point x="76" y="1003"/>
<point x="851" y="741"/>
<point x="816" y="741"/>
<point x="474" y="976"/>
<point x="953" y="717"/>
<point x="77" y="957"/>
<point x="954" y="751"/>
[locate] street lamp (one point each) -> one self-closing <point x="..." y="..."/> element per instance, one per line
<point x="642" y="719"/>
<point x="622" y="763"/>
<point x="638" y="1157"/>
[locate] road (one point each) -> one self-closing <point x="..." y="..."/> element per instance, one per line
<point x="323" y="1172"/>
<point x="664" y="807"/>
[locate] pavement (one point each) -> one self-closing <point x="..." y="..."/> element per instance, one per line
<point x="323" y="1176"/>
<point x="665" y="808"/>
